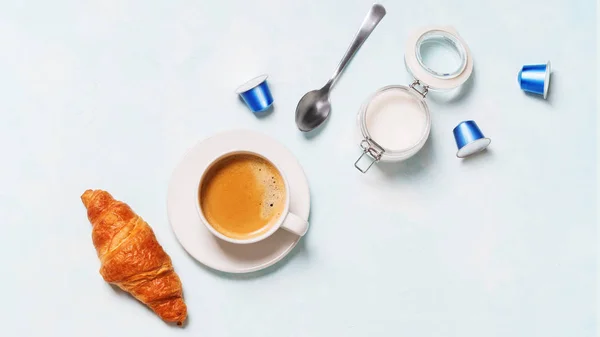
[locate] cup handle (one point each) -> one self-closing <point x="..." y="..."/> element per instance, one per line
<point x="295" y="224"/>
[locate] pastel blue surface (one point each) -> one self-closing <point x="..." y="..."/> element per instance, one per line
<point x="112" y="93"/>
<point x="532" y="78"/>
<point x="465" y="133"/>
<point x="258" y="98"/>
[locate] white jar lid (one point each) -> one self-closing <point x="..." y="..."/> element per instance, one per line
<point x="430" y="44"/>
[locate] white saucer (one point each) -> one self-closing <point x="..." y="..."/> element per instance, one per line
<point x="191" y="232"/>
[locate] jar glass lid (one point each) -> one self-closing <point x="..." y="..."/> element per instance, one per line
<point x="439" y="58"/>
<point x="441" y="54"/>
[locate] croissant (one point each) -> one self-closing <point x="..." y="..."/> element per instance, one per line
<point x="131" y="257"/>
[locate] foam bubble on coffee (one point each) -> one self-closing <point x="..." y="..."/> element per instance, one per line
<point x="274" y="190"/>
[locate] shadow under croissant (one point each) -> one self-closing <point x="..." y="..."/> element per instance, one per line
<point x="121" y="292"/>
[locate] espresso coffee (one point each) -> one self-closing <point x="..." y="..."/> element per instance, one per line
<point x="242" y="196"/>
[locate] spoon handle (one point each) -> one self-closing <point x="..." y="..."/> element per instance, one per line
<point x="375" y="15"/>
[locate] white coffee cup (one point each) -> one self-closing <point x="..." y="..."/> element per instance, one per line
<point x="287" y="220"/>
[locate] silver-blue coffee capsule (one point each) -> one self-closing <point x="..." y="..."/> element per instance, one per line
<point x="535" y="78"/>
<point x="469" y="139"/>
<point x="256" y="94"/>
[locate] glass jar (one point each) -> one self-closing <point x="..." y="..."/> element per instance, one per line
<point x="395" y="121"/>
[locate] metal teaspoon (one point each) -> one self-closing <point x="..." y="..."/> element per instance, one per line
<point x="314" y="107"/>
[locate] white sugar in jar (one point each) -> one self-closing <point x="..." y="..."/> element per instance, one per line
<point x="394" y="121"/>
<point x="396" y="118"/>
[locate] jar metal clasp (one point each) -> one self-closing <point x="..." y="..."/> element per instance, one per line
<point x="424" y="89"/>
<point x="372" y="150"/>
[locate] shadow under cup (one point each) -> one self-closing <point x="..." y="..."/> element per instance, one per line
<point x="243" y="197"/>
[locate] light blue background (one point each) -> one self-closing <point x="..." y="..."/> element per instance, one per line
<point x="110" y="94"/>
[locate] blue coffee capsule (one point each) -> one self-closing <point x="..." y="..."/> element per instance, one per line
<point x="469" y="139"/>
<point x="256" y="94"/>
<point x="535" y="78"/>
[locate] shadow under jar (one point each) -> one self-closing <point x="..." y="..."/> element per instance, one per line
<point x="394" y="121"/>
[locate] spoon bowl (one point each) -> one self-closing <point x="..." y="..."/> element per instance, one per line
<point x="313" y="109"/>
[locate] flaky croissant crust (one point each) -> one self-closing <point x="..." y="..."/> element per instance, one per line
<point x="132" y="258"/>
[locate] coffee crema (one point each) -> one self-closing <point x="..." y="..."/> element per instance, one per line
<point x="242" y="196"/>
